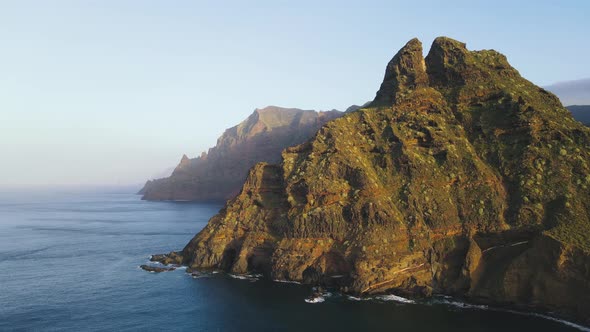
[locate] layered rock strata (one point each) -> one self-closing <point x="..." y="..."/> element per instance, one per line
<point x="460" y="178"/>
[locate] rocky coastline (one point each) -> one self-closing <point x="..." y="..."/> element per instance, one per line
<point x="461" y="178"/>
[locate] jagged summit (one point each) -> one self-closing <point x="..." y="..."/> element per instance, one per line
<point x="406" y="71"/>
<point x="184" y="160"/>
<point x="182" y="167"/>
<point x="448" y="65"/>
<point x="273" y="117"/>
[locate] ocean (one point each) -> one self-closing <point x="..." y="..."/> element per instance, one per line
<point x="69" y="261"/>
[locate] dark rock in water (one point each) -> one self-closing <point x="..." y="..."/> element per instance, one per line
<point x="317" y="295"/>
<point x="158" y="258"/>
<point x="167" y="259"/>
<point x="461" y="178"/>
<point x="157" y="269"/>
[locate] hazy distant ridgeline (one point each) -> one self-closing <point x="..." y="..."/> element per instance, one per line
<point x="576" y="92"/>
<point x="220" y="173"/>
<point x="581" y="113"/>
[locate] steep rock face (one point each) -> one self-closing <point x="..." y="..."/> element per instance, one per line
<point x="460" y="178"/>
<point x="405" y="72"/>
<point x="219" y="174"/>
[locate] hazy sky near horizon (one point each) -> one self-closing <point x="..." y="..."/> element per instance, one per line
<point x="114" y="92"/>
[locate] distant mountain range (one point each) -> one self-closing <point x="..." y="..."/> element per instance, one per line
<point x="581" y="113"/>
<point x="575" y="92"/>
<point x="219" y="174"/>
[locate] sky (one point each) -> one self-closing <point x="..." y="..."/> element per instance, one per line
<point x="575" y="92"/>
<point x="113" y="92"/>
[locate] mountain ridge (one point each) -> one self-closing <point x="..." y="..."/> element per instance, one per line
<point x="580" y="113"/>
<point x="460" y="178"/>
<point x="218" y="174"/>
<point x="574" y="92"/>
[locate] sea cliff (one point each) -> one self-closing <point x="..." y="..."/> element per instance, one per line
<point x="460" y="178"/>
<point x="219" y="174"/>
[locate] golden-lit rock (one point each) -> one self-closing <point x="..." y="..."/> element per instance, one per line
<point x="461" y="178"/>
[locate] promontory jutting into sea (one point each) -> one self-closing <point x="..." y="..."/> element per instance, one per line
<point x="295" y="166"/>
<point x="460" y="178"/>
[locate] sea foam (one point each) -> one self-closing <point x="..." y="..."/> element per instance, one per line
<point x="317" y="299"/>
<point x="249" y="277"/>
<point x="446" y="300"/>
<point x="287" y="281"/>
<point x="394" y="298"/>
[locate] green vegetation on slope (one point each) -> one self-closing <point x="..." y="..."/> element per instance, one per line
<point x="461" y="177"/>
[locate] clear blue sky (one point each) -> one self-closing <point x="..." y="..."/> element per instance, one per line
<point x="113" y="92"/>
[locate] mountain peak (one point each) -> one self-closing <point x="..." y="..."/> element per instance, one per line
<point x="219" y="173"/>
<point x="450" y="64"/>
<point x="184" y="159"/>
<point x="183" y="165"/>
<point x="472" y="181"/>
<point x="406" y="71"/>
<point x="447" y="43"/>
<point x="446" y="61"/>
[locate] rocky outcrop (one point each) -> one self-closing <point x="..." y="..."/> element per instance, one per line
<point x="156" y="269"/>
<point x="353" y="108"/>
<point x="219" y="174"/>
<point x="460" y="178"/>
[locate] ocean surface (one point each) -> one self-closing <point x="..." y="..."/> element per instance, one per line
<point x="69" y="262"/>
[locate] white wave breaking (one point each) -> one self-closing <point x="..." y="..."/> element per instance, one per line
<point x="249" y="277"/>
<point x="449" y="301"/>
<point x="385" y="297"/>
<point x="318" y="297"/>
<point x="558" y="320"/>
<point x="462" y="305"/>
<point x="354" y="298"/>
<point x="315" y="299"/>
<point x="445" y="300"/>
<point x="287" y="281"/>
<point x="394" y="298"/>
